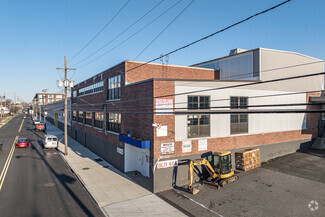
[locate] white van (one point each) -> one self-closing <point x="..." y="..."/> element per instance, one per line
<point x="50" y="141"/>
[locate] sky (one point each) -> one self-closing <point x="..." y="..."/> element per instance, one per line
<point x="35" y="35"/>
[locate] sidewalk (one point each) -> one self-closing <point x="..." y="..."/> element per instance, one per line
<point x="113" y="191"/>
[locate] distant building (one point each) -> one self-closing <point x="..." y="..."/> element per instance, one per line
<point x="55" y="113"/>
<point x="118" y="113"/>
<point x="4" y="110"/>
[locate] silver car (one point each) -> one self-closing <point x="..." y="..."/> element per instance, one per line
<point x="50" y="141"/>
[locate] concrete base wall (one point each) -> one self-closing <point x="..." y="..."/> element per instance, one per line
<point x="176" y="177"/>
<point x="102" y="148"/>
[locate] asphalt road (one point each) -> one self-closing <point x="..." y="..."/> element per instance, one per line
<point x="293" y="185"/>
<point x="38" y="182"/>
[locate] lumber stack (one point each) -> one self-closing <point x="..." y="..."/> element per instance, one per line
<point x="248" y="159"/>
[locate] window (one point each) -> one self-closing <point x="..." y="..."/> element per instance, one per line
<point x="88" y="118"/>
<point x="198" y="126"/>
<point x="99" y="117"/>
<point x="80" y="117"/>
<point x="198" y="102"/>
<point x="114" y="88"/>
<point x="74" y="115"/>
<point x="59" y="96"/>
<point x="113" y="122"/>
<point x="238" y="122"/>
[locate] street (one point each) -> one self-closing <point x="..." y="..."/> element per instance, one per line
<point x="38" y="182"/>
<point x="292" y="185"/>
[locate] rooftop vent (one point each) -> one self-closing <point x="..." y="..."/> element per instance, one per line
<point x="236" y="51"/>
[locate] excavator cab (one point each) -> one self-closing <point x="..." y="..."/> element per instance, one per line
<point x="221" y="162"/>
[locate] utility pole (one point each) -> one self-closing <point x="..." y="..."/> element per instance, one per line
<point x="4" y="96"/>
<point x="67" y="84"/>
<point x="1" y="111"/>
<point x="36" y="106"/>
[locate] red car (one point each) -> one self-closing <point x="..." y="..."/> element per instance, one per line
<point x="22" y="143"/>
<point x="40" y="127"/>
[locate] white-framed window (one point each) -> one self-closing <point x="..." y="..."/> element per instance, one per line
<point x="113" y="122"/>
<point x="114" y="87"/>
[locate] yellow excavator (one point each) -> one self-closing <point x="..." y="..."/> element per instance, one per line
<point x="219" y="167"/>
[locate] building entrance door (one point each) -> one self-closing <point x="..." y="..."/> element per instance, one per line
<point x="143" y="163"/>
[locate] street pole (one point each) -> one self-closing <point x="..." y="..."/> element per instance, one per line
<point x="66" y="85"/>
<point x="1" y="111"/>
<point x="44" y="111"/>
<point x="36" y="106"/>
<point x="40" y="112"/>
<point x="65" y="107"/>
<point x="4" y="96"/>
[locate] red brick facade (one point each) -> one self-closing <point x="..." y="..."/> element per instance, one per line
<point x="141" y="87"/>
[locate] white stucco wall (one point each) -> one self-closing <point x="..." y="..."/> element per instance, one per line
<point x="257" y="123"/>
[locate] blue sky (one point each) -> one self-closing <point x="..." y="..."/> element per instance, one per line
<point x="37" y="34"/>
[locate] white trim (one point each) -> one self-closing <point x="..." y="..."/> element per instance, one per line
<point x="112" y="132"/>
<point x="282" y="51"/>
<point x="159" y="64"/>
<point x="112" y="100"/>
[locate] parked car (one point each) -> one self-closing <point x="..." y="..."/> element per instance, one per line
<point x="0" y="146"/>
<point x="22" y="143"/>
<point x="40" y="127"/>
<point x="50" y="141"/>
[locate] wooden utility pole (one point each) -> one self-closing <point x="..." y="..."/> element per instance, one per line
<point x="1" y="111"/>
<point x="4" y="96"/>
<point x="36" y="106"/>
<point x="66" y="84"/>
<point x="44" y="110"/>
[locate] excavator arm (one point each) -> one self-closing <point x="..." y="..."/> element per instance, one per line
<point x="210" y="169"/>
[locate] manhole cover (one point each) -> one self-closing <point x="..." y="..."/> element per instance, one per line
<point x="50" y="184"/>
<point x="98" y="160"/>
<point x="85" y="168"/>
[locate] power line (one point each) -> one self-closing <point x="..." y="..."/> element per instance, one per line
<point x="164" y="29"/>
<point x="104" y="27"/>
<point x="131" y="35"/>
<point x="258" y="96"/>
<point x="222" y="88"/>
<point x="206" y="37"/>
<point x="126" y="29"/>
<point x="227" y="87"/>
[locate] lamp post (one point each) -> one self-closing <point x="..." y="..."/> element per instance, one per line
<point x="67" y="84"/>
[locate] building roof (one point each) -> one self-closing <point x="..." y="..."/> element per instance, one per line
<point x="248" y="51"/>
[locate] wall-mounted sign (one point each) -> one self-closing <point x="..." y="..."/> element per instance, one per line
<point x="203" y="145"/>
<point x="162" y="131"/>
<point x="167" y="163"/>
<point x="167" y="148"/>
<point x="164" y="105"/>
<point x="120" y="150"/>
<point x="187" y="146"/>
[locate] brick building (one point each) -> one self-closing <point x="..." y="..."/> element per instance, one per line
<point x="122" y="113"/>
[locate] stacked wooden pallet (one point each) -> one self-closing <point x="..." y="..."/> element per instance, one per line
<point x="248" y="159"/>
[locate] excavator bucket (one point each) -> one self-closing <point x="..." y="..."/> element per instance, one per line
<point x="194" y="191"/>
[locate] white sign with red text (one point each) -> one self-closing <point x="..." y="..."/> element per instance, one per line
<point x="164" y="105"/>
<point x="167" y="163"/>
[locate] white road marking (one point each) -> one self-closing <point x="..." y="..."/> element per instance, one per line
<point x="199" y="204"/>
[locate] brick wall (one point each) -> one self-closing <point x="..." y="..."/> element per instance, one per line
<point x="162" y="88"/>
<point x="153" y="70"/>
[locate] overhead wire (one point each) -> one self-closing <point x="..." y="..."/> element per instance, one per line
<point x="102" y="29"/>
<point x="215" y="33"/>
<point x="126" y="29"/>
<point x="178" y="15"/>
<point x="131" y="35"/>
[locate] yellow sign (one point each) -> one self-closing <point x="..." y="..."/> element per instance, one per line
<point x="56" y="120"/>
